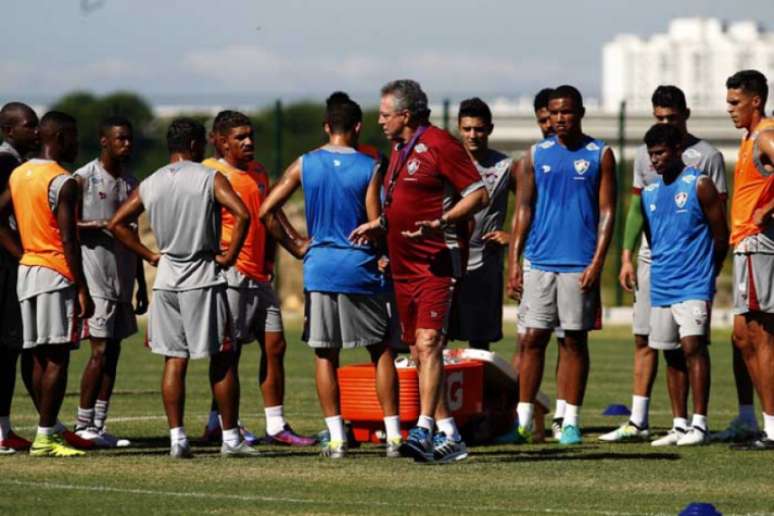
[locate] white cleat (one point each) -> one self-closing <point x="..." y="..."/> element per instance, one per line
<point x="626" y="433"/>
<point x="694" y="437"/>
<point x="102" y="439"/>
<point x="556" y="428"/>
<point x="671" y="438"/>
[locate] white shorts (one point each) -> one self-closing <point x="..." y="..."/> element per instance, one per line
<point x="669" y="324"/>
<point x="753" y="283"/>
<point x="50" y="318"/>
<point x="111" y="320"/>
<point x="255" y="311"/>
<point x="641" y="308"/>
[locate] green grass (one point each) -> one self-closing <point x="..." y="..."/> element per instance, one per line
<point x="589" y="479"/>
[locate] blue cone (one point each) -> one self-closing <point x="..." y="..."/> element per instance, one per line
<point x="616" y="410"/>
<point x="700" y="509"/>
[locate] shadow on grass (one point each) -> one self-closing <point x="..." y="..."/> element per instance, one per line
<point x="567" y="454"/>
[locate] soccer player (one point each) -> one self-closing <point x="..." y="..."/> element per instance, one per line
<point x="189" y="316"/>
<point x="51" y="285"/>
<point x="478" y="305"/>
<point x="685" y="222"/>
<point x="432" y="189"/>
<point x="565" y="222"/>
<point x="252" y="300"/>
<point x="110" y="270"/>
<point x="345" y="306"/>
<point x="752" y="235"/>
<point x="669" y="107"/>
<point x="19" y="125"/>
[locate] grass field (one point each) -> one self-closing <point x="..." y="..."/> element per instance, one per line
<point x="535" y="479"/>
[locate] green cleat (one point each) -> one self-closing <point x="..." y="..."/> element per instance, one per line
<point x="571" y="434"/>
<point x="334" y="449"/>
<point x="626" y="433"/>
<point x="52" y="446"/>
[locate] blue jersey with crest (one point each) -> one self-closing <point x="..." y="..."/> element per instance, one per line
<point x="563" y="235"/>
<point x="335" y="181"/>
<point x="682" y="266"/>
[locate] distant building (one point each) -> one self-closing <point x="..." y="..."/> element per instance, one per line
<point x="696" y="54"/>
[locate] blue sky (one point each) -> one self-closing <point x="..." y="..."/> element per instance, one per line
<point x="196" y="49"/>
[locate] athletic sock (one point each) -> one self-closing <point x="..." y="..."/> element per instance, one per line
<point x="100" y="413"/>
<point x="336" y="427"/>
<point x="559" y="410"/>
<point x="46" y="430"/>
<point x="213" y="421"/>
<point x="392" y="427"/>
<point x="525" y="411"/>
<point x="426" y="422"/>
<point x="177" y="435"/>
<point x="231" y="436"/>
<point x="275" y="419"/>
<point x="449" y="427"/>
<point x="640" y="411"/>
<point x="570" y="415"/>
<point x="747" y="414"/>
<point x="680" y="422"/>
<point x="768" y="425"/>
<point x="699" y="421"/>
<point x="84" y="418"/>
<point x="59" y="427"/>
<point x="5" y="427"/>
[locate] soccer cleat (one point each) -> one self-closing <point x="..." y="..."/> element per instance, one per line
<point x="738" y="431"/>
<point x="446" y="449"/>
<point x="212" y="435"/>
<point x="763" y="443"/>
<point x="693" y="437"/>
<point x="6" y="451"/>
<point x="243" y="449"/>
<point x="556" y="427"/>
<point x="101" y="438"/>
<point x="419" y="445"/>
<point x="248" y="436"/>
<point x="393" y="447"/>
<point x="509" y="437"/>
<point x="53" y="445"/>
<point x="15" y="442"/>
<point x="288" y="437"/>
<point x="334" y="449"/>
<point x="571" y="434"/>
<point x="181" y="450"/>
<point x="76" y="441"/>
<point x="671" y="438"/>
<point x="626" y="433"/>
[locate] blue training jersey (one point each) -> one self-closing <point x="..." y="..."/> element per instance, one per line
<point x="682" y="266"/>
<point x="563" y="235"/>
<point x="335" y="181"/>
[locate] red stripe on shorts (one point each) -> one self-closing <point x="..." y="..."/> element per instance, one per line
<point x="752" y="295"/>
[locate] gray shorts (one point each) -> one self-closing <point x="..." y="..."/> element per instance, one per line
<point x="344" y="320"/>
<point x="477" y="308"/>
<point x="255" y="311"/>
<point x="669" y="324"/>
<point x="11" y="333"/>
<point x="551" y="297"/>
<point x="50" y="318"/>
<point x="190" y="324"/>
<point x="753" y="283"/>
<point x="641" y="309"/>
<point x="112" y="320"/>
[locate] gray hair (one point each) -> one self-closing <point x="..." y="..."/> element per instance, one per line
<point x="408" y="96"/>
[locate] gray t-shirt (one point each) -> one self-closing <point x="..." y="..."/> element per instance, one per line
<point x="495" y="171"/>
<point x="109" y="267"/>
<point x="185" y="219"/>
<point x="698" y="154"/>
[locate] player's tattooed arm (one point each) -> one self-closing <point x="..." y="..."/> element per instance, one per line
<point x="280" y="228"/>
<point x="713" y="207"/>
<point x="372" y="231"/>
<point x="8" y="238"/>
<point x="226" y="196"/>
<point x="522" y="220"/>
<point x="66" y="218"/>
<point x="607" y="202"/>
<point x="120" y="227"/>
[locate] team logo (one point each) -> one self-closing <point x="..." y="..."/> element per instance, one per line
<point x="490" y="179"/>
<point x="652" y="207"/>
<point x="102" y="195"/>
<point x="546" y="169"/>
<point x="420" y="148"/>
<point x="581" y="166"/>
<point x="547" y="144"/>
<point x="412" y="166"/>
<point x="680" y="199"/>
<point x="592" y="146"/>
<point x="336" y="163"/>
<point x="689" y="178"/>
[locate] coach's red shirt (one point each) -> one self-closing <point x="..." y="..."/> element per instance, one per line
<point x="436" y="174"/>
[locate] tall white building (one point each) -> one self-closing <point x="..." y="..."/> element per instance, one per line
<point x="696" y="54"/>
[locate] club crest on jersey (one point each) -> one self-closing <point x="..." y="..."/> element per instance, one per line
<point x="419" y="148"/>
<point x="412" y="166"/>
<point x="102" y="195"/>
<point x="581" y="166"/>
<point x="680" y="199"/>
<point x="336" y="163"/>
<point x="546" y="169"/>
<point x="652" y="207"/>
<point x="592" y="146"/>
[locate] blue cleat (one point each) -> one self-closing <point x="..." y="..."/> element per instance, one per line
<point x="571" y="434"/>
<point x="419" y="445"/>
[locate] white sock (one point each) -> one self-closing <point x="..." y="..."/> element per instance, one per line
<point x="46" y="430"/>
<point x="559" y="410"/>
<point x="177" y="435"/>
<point x="231" y="436"/>
<point x="392" y="427"/>
<point x="213" y="421"/>
<point x="5" y="427"/>
<point x="426" y="422"/>
<point x="640" y="411"/>
<point x="275" y="419"/>
<point x="768" y="425"/>
<point x="747" y="414"/>
<point x="699" y="421"/>
<point x="525" y="411"/>
<point x="59" y="427"/>
<point x="336" y="428"/>
<point x="449" y="427"/>
<point x="84" y="418"/>
<point x="680" y="422"/>
<point x="570" y="415"/>
<point x="100" y="413"/>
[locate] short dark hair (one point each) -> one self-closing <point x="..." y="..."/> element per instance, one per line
<point x="751" y="81"/>
<point x="669" y="96"/>
<point x="182" y="133"/>
<point x="228" y="119"/>
<point x="342" y="113"/>
<point x="114" y="121"/>
<point x="565" y="91"/>
<point x="9" y="114"/>
<point x="475" y="108"/>
<point x="663" y="134"/>
<point x="56" y="121"/>
<point x="541" y="99"/>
